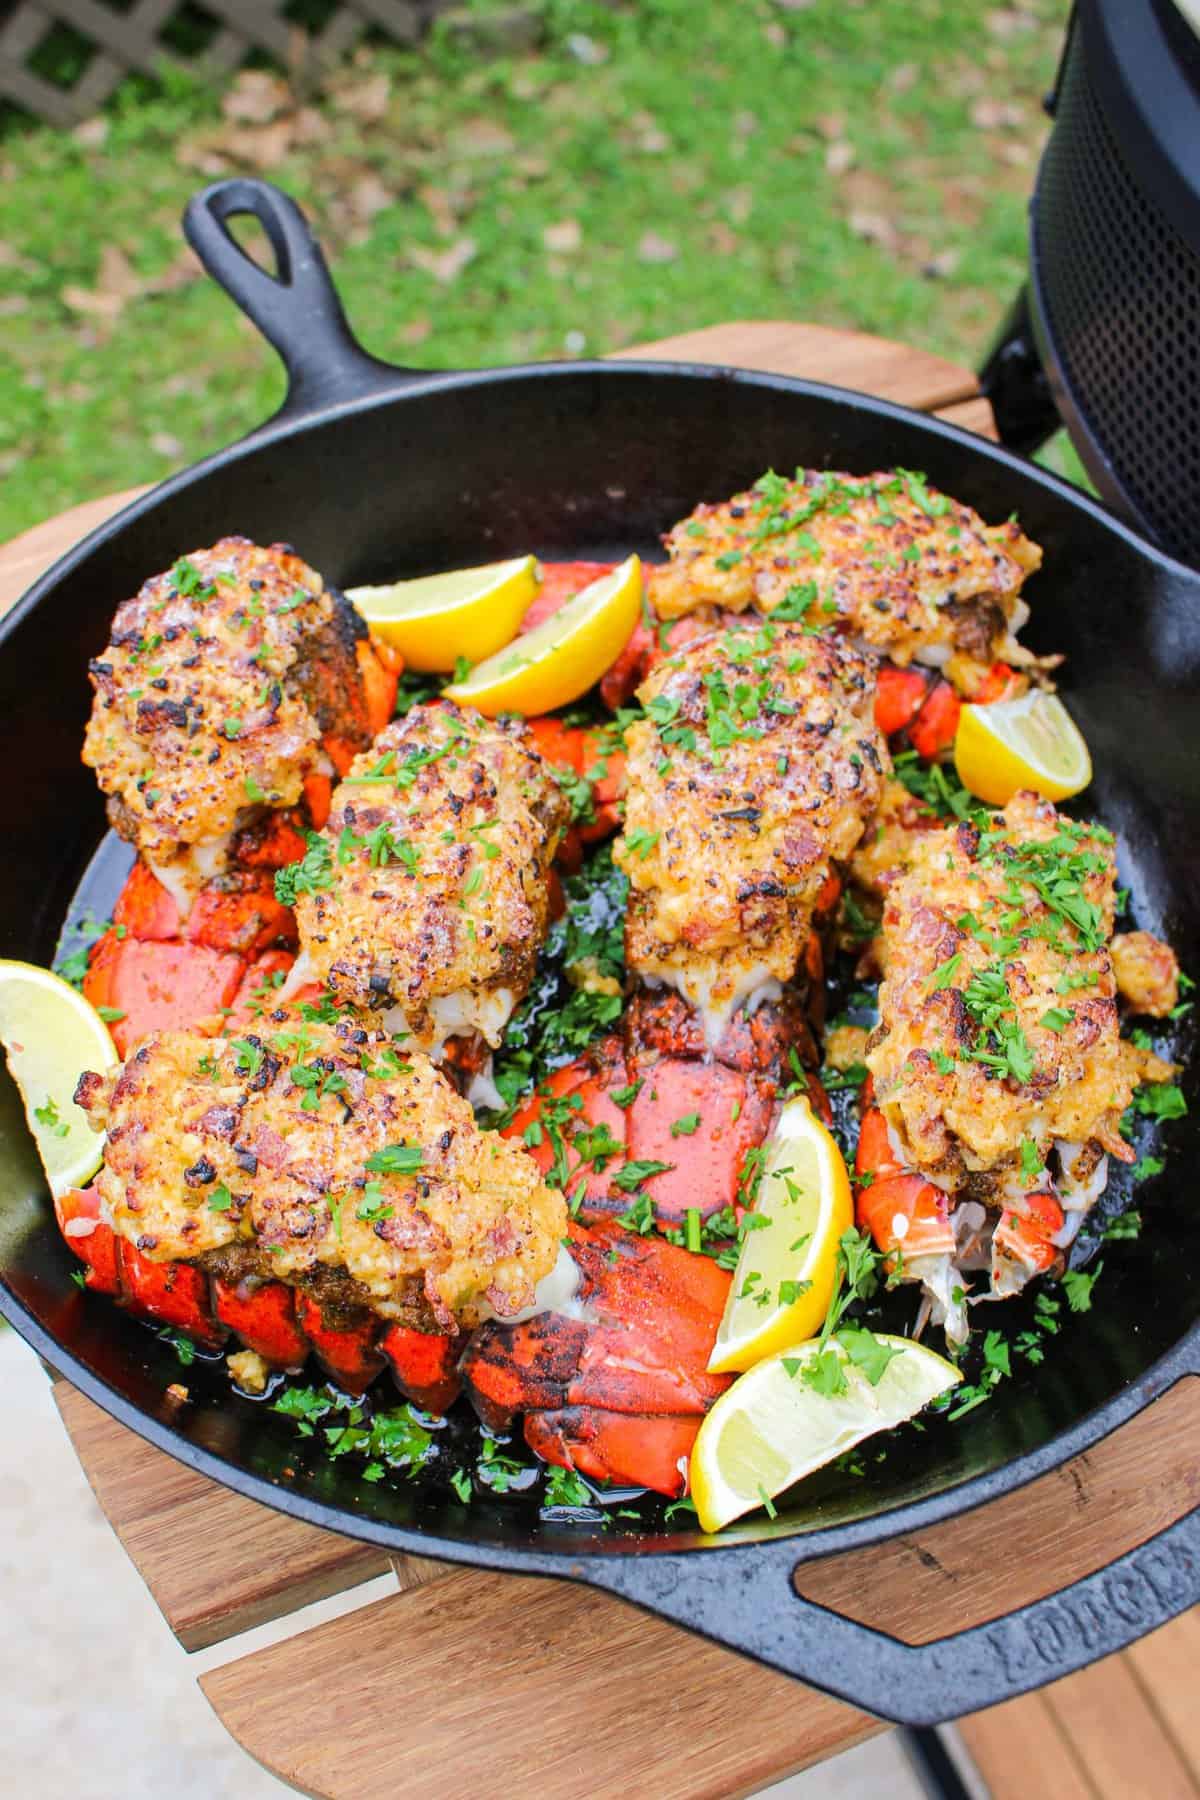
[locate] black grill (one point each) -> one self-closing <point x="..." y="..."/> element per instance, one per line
<point x="1106" y="337"/>
<point x="1119" y="294"/>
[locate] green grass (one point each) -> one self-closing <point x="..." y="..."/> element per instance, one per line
<point x="708" y="124"/>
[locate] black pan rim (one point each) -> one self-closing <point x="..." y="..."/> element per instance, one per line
<point x="887" y="1523"/>
<point x="285" y="425"/>
<point x="1182" y="1360"/>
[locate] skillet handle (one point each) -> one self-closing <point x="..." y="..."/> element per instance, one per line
<point x="745" y="1598"/>
<point x="297" y="308"/>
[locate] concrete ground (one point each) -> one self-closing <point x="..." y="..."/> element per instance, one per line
<point x="101" y="1701"/>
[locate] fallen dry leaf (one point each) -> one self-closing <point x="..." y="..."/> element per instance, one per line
<point x="309" y="125"/>
<point x="202" y="157"/>
<point x="874" y="228"/>
<point x="259" y="146"/>
<point x="655" y="249"/>
<point x="92" y="133"/>
<point x="255" y="97"/>
<point x="416" y="331"/>
<point x="1008" y="22"/>
<point x="439" y="204"/>
<point x="184" y="267"/>
<point x="776" y="35"/>
<point x="117" y="282"/>
<point x="992" y="115"/>
<point x="738" y="203"/>
<point x="166" y="445"/>
<point x="368" y="196"/>
<point x="831" y="125"/>
<point x="839" y="157"/>
<point x="484" y="137"/>
<point x="445" y="265"/>
<point x="563" y="237"/>
<point x="11" y="258"/>
<point x="366" y="100"/>
<point x="943" y="264"/>
<point x="745" y="124"/>
<point x="903" y="77"/>
<point x="722" y="240"/>
<point x="1016" y="154"/>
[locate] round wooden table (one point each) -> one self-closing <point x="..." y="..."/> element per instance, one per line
<point x="586" y="1697"/>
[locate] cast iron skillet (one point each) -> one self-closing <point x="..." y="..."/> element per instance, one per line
<point x="369" y="470"/>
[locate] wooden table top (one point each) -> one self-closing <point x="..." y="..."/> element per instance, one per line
<point x="585" y="1694"/>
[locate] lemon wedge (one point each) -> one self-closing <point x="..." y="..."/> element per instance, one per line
<point x="1032" y="742"/>
<point x="51" y="1034"/>
<point x="563" y="656"/>
<point x="435" y="619"/>
<point x="785" y="1273"/>
<point x="771" y="1428"/>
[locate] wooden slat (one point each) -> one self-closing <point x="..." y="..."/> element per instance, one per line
<point x="1021" y="1740"/>
<point x="1167" y="1666"/>
<point x="819" y="353"/>
<point x="1130" y="1486"/>
<point x="26" y="557"/>
<point x="242" y="1565"/>
<point x="1116" y="1735"/>
<point x="1126" y="1727"/>
<point x="973" y="415"/>
<point x="485" y="1680"/>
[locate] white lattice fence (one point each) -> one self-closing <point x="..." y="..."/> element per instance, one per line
<point x="106" y="44"/>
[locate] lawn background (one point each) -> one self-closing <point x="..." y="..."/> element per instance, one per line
<point x="651" y="167"/>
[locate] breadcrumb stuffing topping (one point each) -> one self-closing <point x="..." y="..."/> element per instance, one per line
<point x="884" y="557"/>
<point x="312" y="1147"/>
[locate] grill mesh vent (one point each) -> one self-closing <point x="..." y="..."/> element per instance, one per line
<point x="1121" y="293"/>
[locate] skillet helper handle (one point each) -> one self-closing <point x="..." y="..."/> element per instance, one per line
<point x="297" y="308"/>
<point x="744" y="1598"/>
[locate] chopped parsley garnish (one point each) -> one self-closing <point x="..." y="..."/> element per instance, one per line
<point x="565" y="1488"/>
<point x="500" y="1472"/>
<point x="631" y="1174"/>
<point x="248" y="1055"/>
<point x="388" y="1439"/>
<point x="395" y="1159"/>
<point x="639" y="1216"/>
<point x="640" y="843"/>
<point x="1077" y="1286"/>
<point x="373" y="1207"/>
<point x="1160" y="1100"/>
<point x="47" y="1115"/>
<point x="182" y="1345"/>
<point x="686" y="1126"/>
<point x="317" y="1079"/>
<point x="313" y="874"/>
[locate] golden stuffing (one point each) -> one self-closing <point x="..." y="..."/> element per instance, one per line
<point x="312" y="1148"/>
<point x="998" y="1012"/>
<point x="211" y="700"/>
<point x="437" y="893"/>
<point x="751" y="776"/>
<point x="884" y="557"/>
